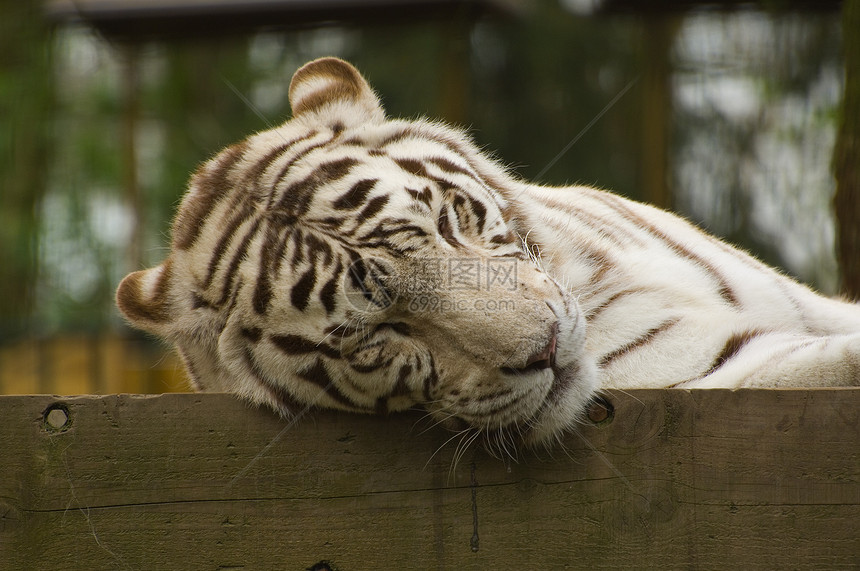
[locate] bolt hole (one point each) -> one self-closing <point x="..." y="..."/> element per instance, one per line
<point x="57" y="418"/>
<point x="600" y="410"/>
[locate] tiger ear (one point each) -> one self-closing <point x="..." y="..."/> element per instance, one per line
<point x="331" y="91"/>
<point x="143" y="298"/>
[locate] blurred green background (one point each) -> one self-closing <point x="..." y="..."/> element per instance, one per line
<point x="728" y="116"/>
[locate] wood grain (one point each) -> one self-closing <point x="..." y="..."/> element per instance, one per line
<point x="705" y="479"/>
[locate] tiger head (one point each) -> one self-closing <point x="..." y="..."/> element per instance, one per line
<point x="348" y="261"/>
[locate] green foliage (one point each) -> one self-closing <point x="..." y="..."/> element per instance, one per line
<point x="25" y="120"/>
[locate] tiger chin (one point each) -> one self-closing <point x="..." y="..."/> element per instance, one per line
<point x="350" y="261"/>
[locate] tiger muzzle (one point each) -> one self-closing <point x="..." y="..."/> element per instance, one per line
<point x="542" y="359"/>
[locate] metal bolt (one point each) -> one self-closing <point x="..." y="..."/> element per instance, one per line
<point x="57" y="417"/>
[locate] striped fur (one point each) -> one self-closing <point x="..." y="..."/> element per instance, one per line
<point x="350" y="261"/>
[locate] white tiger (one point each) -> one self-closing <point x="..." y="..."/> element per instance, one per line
<point x="350" y="261"/>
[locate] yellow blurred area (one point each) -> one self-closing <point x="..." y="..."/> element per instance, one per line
<point x="89" y="364"/>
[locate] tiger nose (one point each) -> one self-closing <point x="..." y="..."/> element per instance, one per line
<point x="545" y="358"/>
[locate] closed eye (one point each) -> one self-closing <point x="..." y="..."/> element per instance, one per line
<point x="369" y="279"/>
<point x="397" y="327"/>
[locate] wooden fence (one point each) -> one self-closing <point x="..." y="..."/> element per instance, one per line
<point x="709" y="479"/>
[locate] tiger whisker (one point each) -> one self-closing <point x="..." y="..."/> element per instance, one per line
<point x="436" y="421"/>
<point x="463" y="445"/>
<point x="441" y="446"/>
<point x="342" y="326"/>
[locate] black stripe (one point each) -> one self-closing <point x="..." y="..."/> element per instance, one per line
<point x="607" y="228"/>
<point x="430" y="381"/>
<point x="291" y="163"/>
<point x="252" y="334"/>
<point x="400" y="387"/>
<point x="370" y="356"/>
<point x="269" y="256"/>
<point x="276" y="391"/>
<point x="336" y="170"/>
<point x="297" y="239"/>
<point x="417" y="168"/>
<point x="259" y="167"/>
<point x="445" y="230"/>
<point x="404" y="133"/>
<point x="467" y="152"/>
<point x="480" y="212"/>
<point x="318" y="248"/>
<point x="238" y="256"/>
<point x="733" y="346"/>
<point x="295" y="345"/>
<point x="356" y="195"/>
<point x="343" y="330"/>
<point x="641" y="341"/>
<point x="329" y="289"/>
<point x="596" y="311"/>
<point x="301" y="292"/>
<point x="210" y="186"/>
<point x="723" y="286"/>
<point x="373" y="207"/>
<point x="453" y="168"/>
<point x="198" y="302"/>
<point x="257" y="171"/>
<point x="508" y="238"/>
<point x="424" y="196"/>
<point x="382" y="234"/>
<point x="413" y="166"/>
<point x="449" y="166"/>
<point x="472" y="209"/>
<point x="319" y="375"/>
<point x="331" y="222"/>
<point x="296" y="198"/>
<point x="224" y="241"/>
<point x="357" y="271"/>
<point x="354" y="142"/>
<point x="369" y="368"/>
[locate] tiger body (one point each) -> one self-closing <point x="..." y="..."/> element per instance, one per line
<point x="349" y="261"/>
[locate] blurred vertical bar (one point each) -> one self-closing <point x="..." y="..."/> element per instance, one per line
<point x="25" y="119"/>
<point x="846" y="158"/>
<point x="659" y="30"/>
<point x="26" y="104"/>
<point x="131" y="186"/>
<point x="455" y="86"/>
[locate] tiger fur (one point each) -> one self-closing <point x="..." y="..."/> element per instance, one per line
<point x="349" y="261"/>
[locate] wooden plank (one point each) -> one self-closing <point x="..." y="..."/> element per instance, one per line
<point x="693" y="479"/>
